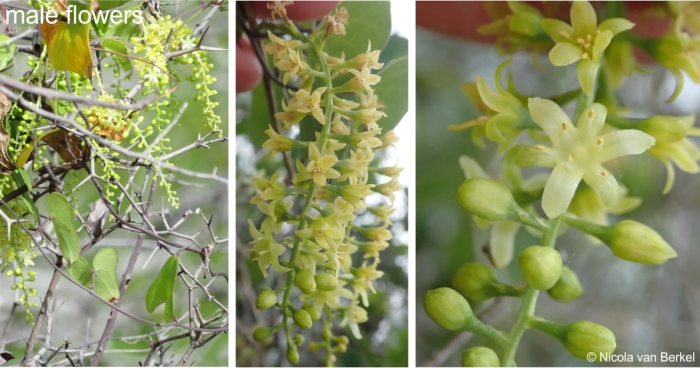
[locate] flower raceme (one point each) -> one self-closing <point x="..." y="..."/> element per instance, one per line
<point x="577" y="153"/>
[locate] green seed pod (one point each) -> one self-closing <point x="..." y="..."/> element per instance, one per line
<point x="567" y="288"/>
<point x="487" y="199"/>
<point x="582" y="338"/>
<point x="266" y="299"/>
<point x="292" y="354"/>
<point x="302" y="319"/>
<point x="480" y="357"/>
<point x="304" y="280"/>
<point x="261" y="334"/>
<point x="298" y="340"/>
<point x="447" y="308"/>
<point x="315" y="315"/>
<point x="635" y="242"/>
<point x="477" y="282"/>
<point x="540" y="266"/>
<point x="325" y="282"/>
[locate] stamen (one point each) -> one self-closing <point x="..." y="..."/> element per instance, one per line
<point x="564" y="126"/>
<point x="570" y="158"/>
<point x="600" y="141"/>
<point x="603" y="173"/>
<point x="541" y="148"/>
<point x="584" y="56"/>
<point x="591" y="114"/>
<point x="580" y="40"/>
<point x="565" y="34"/>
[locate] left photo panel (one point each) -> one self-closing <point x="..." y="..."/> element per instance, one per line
<point x="322" y="232"/>
<point x="114" y="183"/>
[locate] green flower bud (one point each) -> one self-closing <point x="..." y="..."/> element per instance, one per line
<point x="9" y="273"/>
<point x="325" y="282"/>
<point x="447" y="308"/>
<point x="292" y="354"/>
<point x="315" y="314"/>
<point x="342" y="348"/>
<point x="477" y="282"/>
<point x="304" y="280"/>
<point x="487" y="199"/>
<point x="582" y="338"/>
<point x="18" y="271"/>
<point x="302" y="319"/>
<point x="298" y="340"/>
<point x="540" y="266"/>
<point x="635" y="242"/>
<point x="567" y="288"/>
<point x="480" y="357"/>
<point x="266" y="299"/>
<point x="261" y="334"/>
<point x="667" y="129"/>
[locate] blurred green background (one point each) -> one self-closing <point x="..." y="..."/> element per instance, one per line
<point x="651" y="309"/>
<point x="81" y="318"/>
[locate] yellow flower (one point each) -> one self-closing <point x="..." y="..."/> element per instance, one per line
<point x="369" y="58"/>
<point x="584" y="41"/>
<point x="291" y="63"/>
<point x="363" y="80"/>
<point x="280" y="46"/>
<point x="336" y="23"/>
<point x="290" y="116"/>
<point x="309" y="103"/>
<point x="319" y="168"/>
<point x="268" y="251"/>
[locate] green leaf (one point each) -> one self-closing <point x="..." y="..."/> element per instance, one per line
<point x="61" y="214"/>
<point x="111" y="4"/>
<point x="21" y="178"/>
<point x="105" y="264"/>
<point x="6" y="52"/>
<point x="118" y="46"/>
<point x="124" y="31"/>
<point x="395" y="48"/>
<point x="81" y="271"/>
<point x="161" y="291"/>
<point x="259" y="118"/>
<point x="369" y="20"/>
<point x="393" y="93"/>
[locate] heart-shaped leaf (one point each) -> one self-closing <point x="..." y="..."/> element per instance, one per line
<point x="161" y="291"/>
<point x="62" y="215"/>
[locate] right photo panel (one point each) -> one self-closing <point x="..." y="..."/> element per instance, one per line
<point x="560" y="225"/>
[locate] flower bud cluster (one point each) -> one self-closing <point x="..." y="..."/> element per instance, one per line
<point x="331" y="180"/>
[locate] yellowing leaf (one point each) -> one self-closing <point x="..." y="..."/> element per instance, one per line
<point x="69" y="47"/>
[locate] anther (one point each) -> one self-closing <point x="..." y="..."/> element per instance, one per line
<point x="584" y="56"/>
<point x="565" y="34"/>
<point x="591" y="114"/>
<point x="603" y="173"/>
<point x="564" y="126"/>
<point x="580" y="40"/>
<point x="600" y="141"/>
<point x="570" y="158"/>
<point x="541" y="148"/>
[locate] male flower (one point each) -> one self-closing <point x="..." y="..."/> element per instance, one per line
<point x="319" y="168"/>
<point x="583" y="41"/>
<point x="578" y="152"/>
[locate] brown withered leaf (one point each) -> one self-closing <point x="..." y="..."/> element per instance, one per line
<point x="65" y="144"/>
<point x="6" y="165"/>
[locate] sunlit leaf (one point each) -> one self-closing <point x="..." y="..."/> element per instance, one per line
<point x="61" y="214"/>
<point x="6" y="51"/>
<point x="68" y="47"/>
<point x="118" y="47"/>
<point x="161" y="291"/>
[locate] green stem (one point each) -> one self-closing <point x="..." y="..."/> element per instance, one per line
<point x="328" y="111"/>
<point x="477" y="327"/>
<point x="527" y="309"/>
